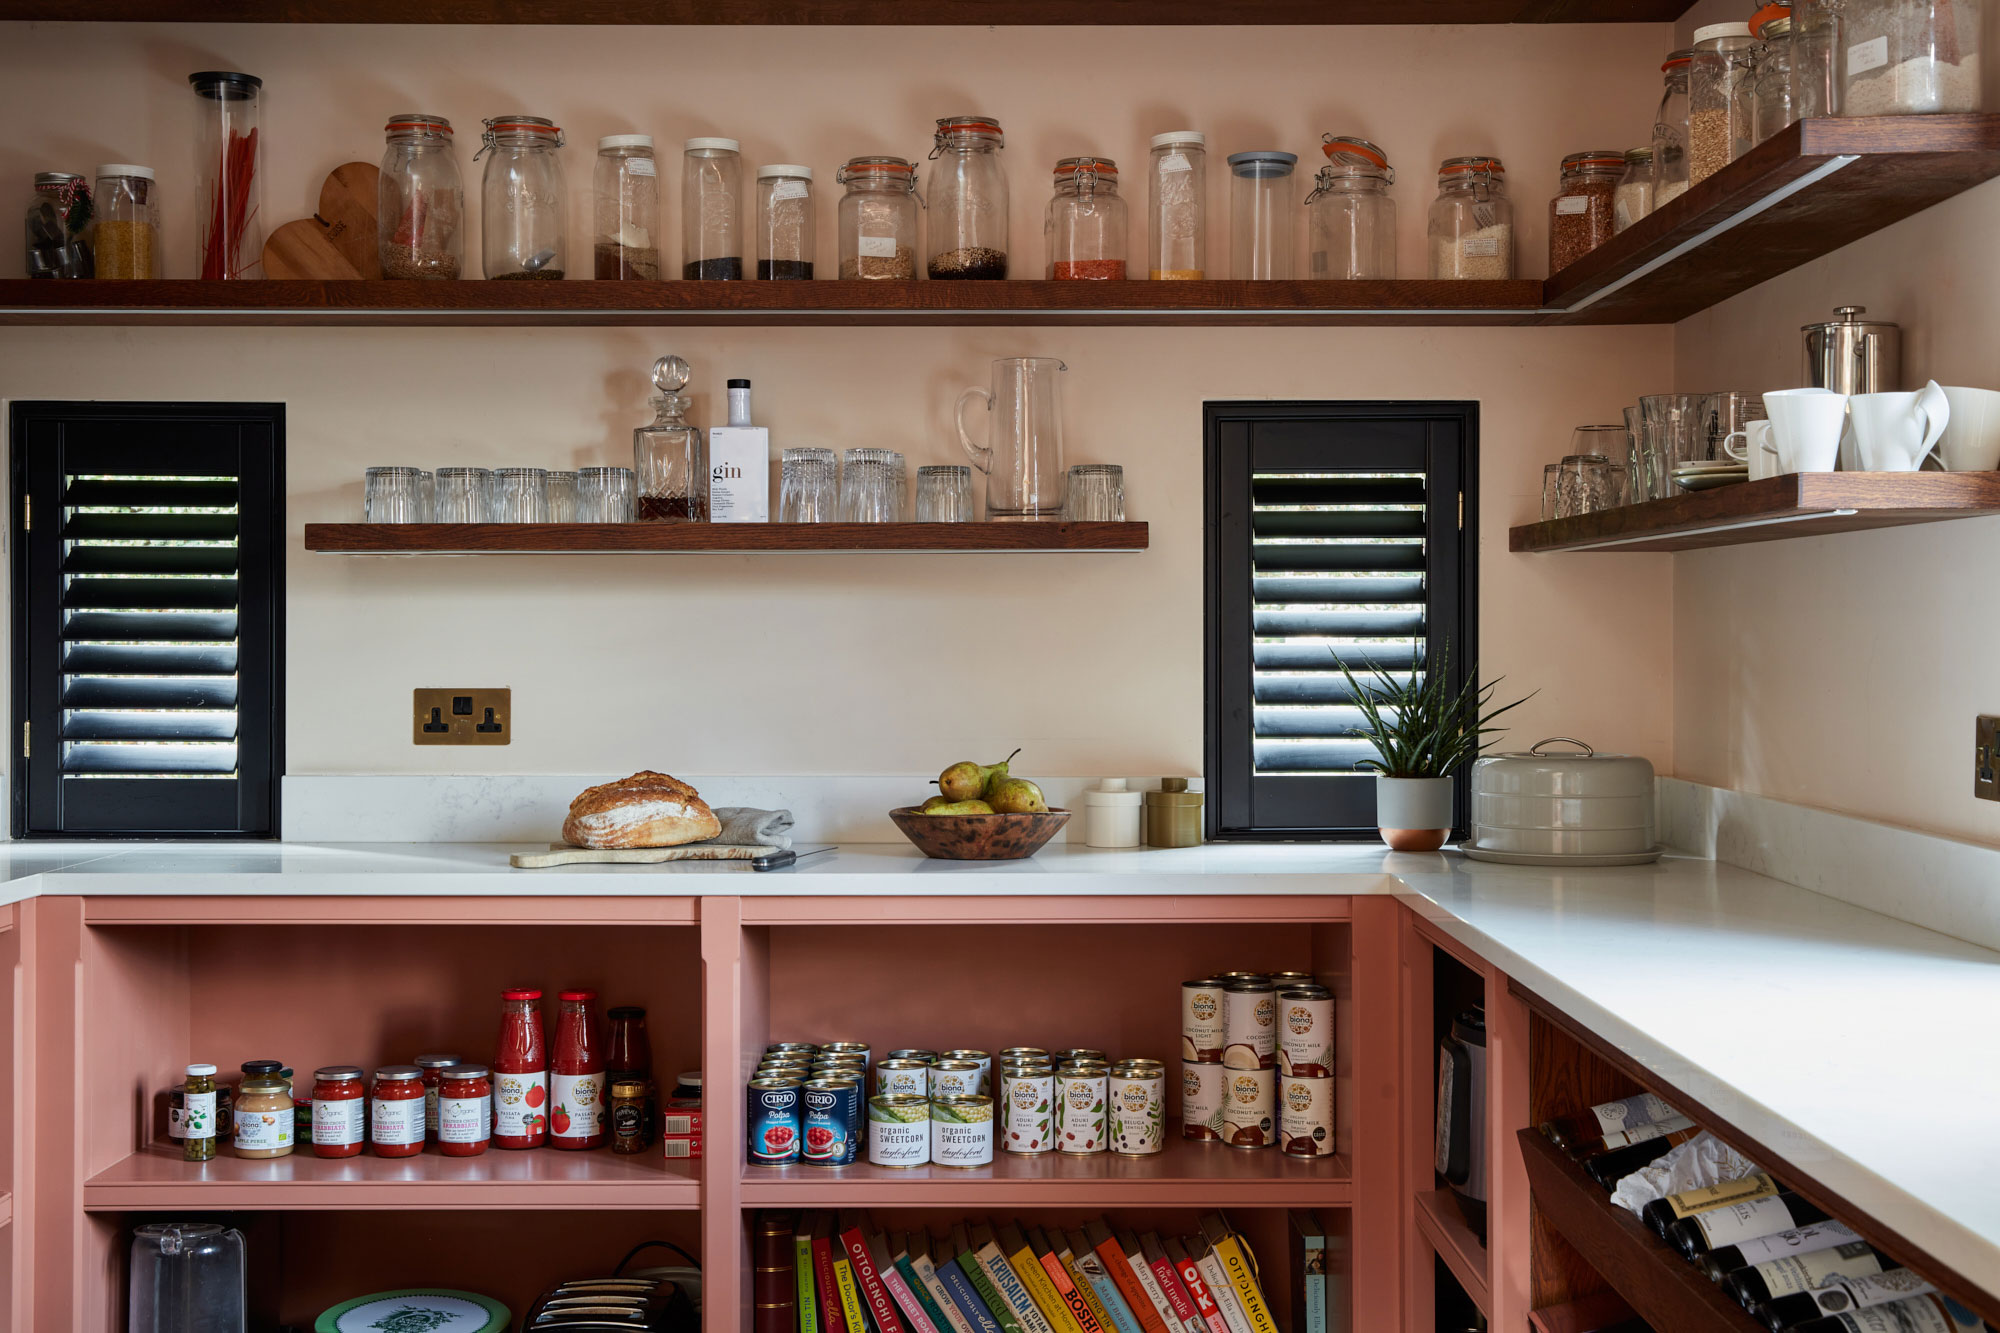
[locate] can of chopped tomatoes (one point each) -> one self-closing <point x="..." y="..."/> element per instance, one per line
<point x="830" y="1117"/>
<point x="774" y="1121"/>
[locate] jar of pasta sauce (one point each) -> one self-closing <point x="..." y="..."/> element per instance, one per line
<point x="433" y="1065"/>
<point x="396" y="1111"/>
<point x="339" y="1111"/>
<point x="465" y="1111"/>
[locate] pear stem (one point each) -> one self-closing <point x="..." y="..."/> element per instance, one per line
<point x="1010" y="758"/>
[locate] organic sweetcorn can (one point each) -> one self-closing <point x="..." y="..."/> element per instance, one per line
<point x="962" y="1131"/>
<point x="899" y="1130"/>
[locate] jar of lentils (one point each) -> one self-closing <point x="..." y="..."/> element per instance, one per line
<point x="1722" y="101"/>
<point x="1085" y="223"/>
<point x="878" y="219"/>
<point x="967" y="200"/>
<point x="1581" y="216"/>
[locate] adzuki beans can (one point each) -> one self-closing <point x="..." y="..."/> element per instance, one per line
<point x="956" y="1078"/>
<point x="1027" y="1099"/>
<point x="1305" y="1036"/>
<point x="903" y="1078"/>
<point x="773" y="1114"/>
<point x="962" y="1131"/>
<point x="1137" y="1092"/>
<point x="1305" y="1115"/>
<point x="1015" y="1055"/>
<point x="1204" y="1087"/>
<point x="899" y="1130"/>
<point x="1249" y="1025"/>
<point x="1082" y="1125"/>
<point x="1201" y="1019"/>
<point x="1248" y="1108"/>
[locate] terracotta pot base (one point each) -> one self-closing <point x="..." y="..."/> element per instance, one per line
<point x="1415" y="839"/>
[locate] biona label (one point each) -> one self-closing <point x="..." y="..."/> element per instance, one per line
<point x="1029" y="1114"/>
<point x="1247" y="1108"/>
<point x="1305" y="1115"/>
<point x="1203" y="1087"/>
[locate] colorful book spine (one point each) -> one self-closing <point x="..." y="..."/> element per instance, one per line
<point x="1167" y="1276"/>
<point x="974" y="1304"/>
<point x="994" y="1278"/>
<point x="1067" y="1287"/>
<point x="850" y="1295"/>
<point x="1309" y="1264"/>
<point x="1189" y="1272"/>
<point x="1117" y="1315"/>
<point x="1118" y="1267"/>
<point x="1028" y="1267"/>
<point x="908" y="1290"/>
<point x="927" y="1283"/>
<point x="1241" y="1274"/>
<point x="1219" y="1285"/>
<point x="832" y="1316"/>
<point x="802" y="1271"/>
<point x="874" y="1294"/>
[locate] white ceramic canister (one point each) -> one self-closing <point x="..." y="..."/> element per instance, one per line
<point x="962" y="1131"/>
<point x="1249" y="1025"/>
<point x="1137" y="1093"/>
<point x="1028" y="1118"/>
<point x="1305" y="1035"/>
<point x="1111" y="815"/>
<point x="1249" y="1107"/>
<point x="899" y="1130"/>
<point x="956" y="1078"/>
<point x="1204" y="1085"/>
<point x="1305" y="1115"/>
<point x="1201" y="1019"/>
<point x="1084" y="1125"/>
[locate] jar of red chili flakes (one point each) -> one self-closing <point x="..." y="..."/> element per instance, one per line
<point x="465" y="1111"/>
<point x="1085" y="224"/>
<point x="339" y="1111"/>
<point x="396" y="1111"/>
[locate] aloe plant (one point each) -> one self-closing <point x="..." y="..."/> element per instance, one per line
<point x="1421" y="727"/>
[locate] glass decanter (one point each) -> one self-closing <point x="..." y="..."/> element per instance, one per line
<point x="669" y="455"/>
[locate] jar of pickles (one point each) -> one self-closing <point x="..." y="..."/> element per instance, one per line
<point x="1581" y="216"/>
<point x="420" y="200"/>
<point x="878" y="219"/>
<point x="712" y="210"/>
<point x="784" y="222"/>
<point x="1670" y="131"/>
<point x="1177" y="208"/>
<point x="524" y="199"/>
<point x="1721" y="98"/>
<point x="1085" y="222"/>
<point x="967" y="200"/>
<point x="1471" y="227"/>
<point x="1350" y="217"/>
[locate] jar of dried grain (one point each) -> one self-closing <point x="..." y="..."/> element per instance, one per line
<point x="127" y="240"/>
<point x="1722" y="101"/>
<point x="878" y="219"/>
<point x="1472" y="220"/>
<point x="1634" y="197"/>
<point x="1909" y="57"/>
<point x="1581" y="216"/>
<point x="1085" y="223"/>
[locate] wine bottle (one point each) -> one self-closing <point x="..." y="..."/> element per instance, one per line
<point x="1757" y="1286"/>
<point x="1919" y="1314"/>
<point x="1720" y="1262"/>
<point x="1844" y="1294"/>
<point x="1663" y="1213"/>
<point x="1731" y="1223"/>
<point x="1608" y="1168"/>
<point x="1609" y="1125"/>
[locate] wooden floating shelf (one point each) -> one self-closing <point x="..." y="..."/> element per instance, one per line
<point x="719" y="538"/>
<point x="1441" y="1221"/>
<point x="1808" y="190"/>
<point x="1799" y="504"/>
<point x="157" y="1178"/>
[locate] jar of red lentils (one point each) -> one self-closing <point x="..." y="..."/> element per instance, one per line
<point x="465" y="1111"/>
<point x="1085" y="224"/>
<point x="396" y="1111"/>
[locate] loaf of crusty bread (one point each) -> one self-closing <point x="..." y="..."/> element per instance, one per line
<point x="645" y="810"/>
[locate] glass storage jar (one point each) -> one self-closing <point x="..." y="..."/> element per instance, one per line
<point x="711" y="213"/>
<point x="1471" y="227"/>
<point x="625" y="231"/>
<point x="1350" y="218"/>
<point x="1909" y="57"/>
<point x="1177" y="207"/>
<point x="1581" y="216"/>
<point x="1772" y="95"/>
<point x="1721" y="98"/>
<point x="263" y="1112"/>
<point x="1634" y="197"/>
<point x="58" y="225"/>
<point x="1085" y="222"/>
<point x="420" y="200"/>
<point x="229" y="175"/>
<point x="784" y="222"/>
<point x="1815" y="41"/>
<point x="126" y="243"/>
<point x="524" y="199"/>
<point x="1670" y="131"/>
<point x="1260" y="214"/>
<point x="878" y="219"/>
<point x="670" y="456"/>
<point x="967" y="200"/>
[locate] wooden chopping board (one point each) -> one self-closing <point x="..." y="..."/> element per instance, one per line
<point x="338" y="242"/>
<point x="560" y="854"/>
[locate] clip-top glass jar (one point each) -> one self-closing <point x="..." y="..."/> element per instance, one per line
<point x="420" y="201"/>
<point x="1471" y="226"/>
<point x="1634" y="197"/>
<point x="625" y="185"/>
<point x="524" y="199"/>
<point x="878" y="218"/>
<point x="1771" y="99"/>
<point x="711" y="212"/>
<point x="1909" y="57"/>
<point x="785" y="222"/>
<point x="1085" y="223"/>
<point x="1815" y="87"/>
<point x="1721" y="98"/>
<point x="126" y="243"/>
<point x="967" y="200"/>
<point x="1350" y="218"/>
<point x="1177" y="209"/>
<point x="58" y="226"/>
<point x="669" y="455"/>
<point x="1260" y="214"/>
<point x="1582" y="214"/>
<point x="1670" y="131"/>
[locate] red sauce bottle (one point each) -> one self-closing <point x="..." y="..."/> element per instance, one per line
<point x="629" y="1057"/>
<point x="577" y="1092"/>
<point x="396" y="1111"/>
<point x="465" y="1111"/>
<point x="340" y="1110"/>
<point x="520" y="1073"/>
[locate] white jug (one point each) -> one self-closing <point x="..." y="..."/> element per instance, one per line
<point x="1895" y="432"/>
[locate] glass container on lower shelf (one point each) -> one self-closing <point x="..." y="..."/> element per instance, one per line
<point x="1721" y="98"/>
<point x="420" y="200"/>
<point x="1085" y="222"/>
<point x="711" y="215"/>
<point x="462" y="495"/>
<point x="1095" y="493"/>
<point x="1471" y="224"/>
<point x="395" y="495"/>
<point x="126" y="242"/>
<point x="1351" y="219"/>
<point x="524" y="200"/>
<point x="784" y="223"/>
<point x="808" y="486"/>
<point x="878" y="219"/>
<point x="1909" y="57"/>
<point x="605" y="494"/>
<point x="520" y="495"/>
<point x="670" y="456"/>
<point x="1670" y="131"/>
<point x="1634" y="197"/>
<point x="562" y="497"/>
<point x="1261" y="209"/>
<point x="1177" y="207"/>
<point x="1582" y="215"/>
<point x="966" y="199"/>
<point x="57" y="227"/>
<point x="1815" y="91"/>
<point x="944" y="494"/>
<point x="229" y="175"/>
<point x="1771" y="95"/>
<point x="182" y="1267"/>
<point x="625" y="235"/>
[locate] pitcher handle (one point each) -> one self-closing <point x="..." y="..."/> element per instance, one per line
<point x="981" y="458"/>
<point x="1937" y="414"/>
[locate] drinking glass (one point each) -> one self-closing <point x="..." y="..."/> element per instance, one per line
<point x="395" y="495"/>
<point x="1635" y="459"/>
<point x="605" y="494"/>
<point x="1552" y="491"/>
<point x="808" y="486"/>
<point x="464" y="495"/>
<point x="520" y="495"/>
<point x="1674" y="422"/>
<point x="562" y="497"/>
<point x="899" y="477"/>
<point x="944" y="494"/>
<point x="1096" y="494"/>
<point x="1586" y="483"/>
<point x="867" y="487"/>
<point x="1720" y="415"/>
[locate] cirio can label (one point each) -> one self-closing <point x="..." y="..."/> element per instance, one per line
<point x="1305" y="1115"/>
<point x="1084" y="1123"/>
<point x="830" y="1120"/>
<point x="1028" y="1100"/>
<point x="962" y="1131"/>
<point x="773" y="1116"/>
<point x="1305" y="1031"/>
<point x="1248" y="1108"/>
<point x="1203" y="1089"/>
<point x="1201" y="1019"/>
<point x="1137" y="1092"/>
<point x="1249" y="1025"/>
<point x="899" y="1130"/>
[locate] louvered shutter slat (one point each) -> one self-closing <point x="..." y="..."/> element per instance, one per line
<point x="206" y="593"/>
<point x="176" y="724"/>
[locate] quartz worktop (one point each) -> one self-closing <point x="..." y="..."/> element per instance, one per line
<point x="1849" y="1042"/>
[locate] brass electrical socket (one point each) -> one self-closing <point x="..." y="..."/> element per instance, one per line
<point x="1986" y="758"/>
<point x="462" y="717"/>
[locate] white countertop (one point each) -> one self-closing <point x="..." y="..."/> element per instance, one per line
<point x="1845" y="1040"/>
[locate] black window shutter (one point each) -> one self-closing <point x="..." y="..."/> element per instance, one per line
<point x="148" y="618"/>
<point x="1333" y="529"/>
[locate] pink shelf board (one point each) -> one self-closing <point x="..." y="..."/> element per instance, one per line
<point x="1072" y="909"/>
<point x="156" y="1177"/>
<point x="1443" y="1225"/>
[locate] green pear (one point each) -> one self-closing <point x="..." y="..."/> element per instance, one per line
<point x="968" y="781"/>
<point x="1016" y="796"/>
<point x="934" y="802"/>
<point x="958" y="808"/>
<point x="997" y="774"/>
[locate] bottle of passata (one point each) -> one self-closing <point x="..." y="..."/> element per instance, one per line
<point x="577" y="1091"/>
<point x="520" y="1073"/>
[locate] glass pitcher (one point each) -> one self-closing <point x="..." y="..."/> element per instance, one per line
<point x="1025" y="472"/>
<point x="187" y="1277"/>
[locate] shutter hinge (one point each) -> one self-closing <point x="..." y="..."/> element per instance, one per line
<point x="25" y="754"/>
<point x="27" y="513"/>
<point x="1461" y="511"/>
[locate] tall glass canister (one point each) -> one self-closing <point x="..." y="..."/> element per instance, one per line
<point x="785" y="222"/>
<point x="524" y="200"/>
<point x="1772" y="83"/>
<point x="1351" y="220"/>
<point x="1670" y="131"/>
<point x="1262" y="209"/>
<point x="966" y="199"/>
<point x="711" y="211"/>
<point x="1177" y="207"/>
<point x="1909" y="57"/>
<point x="420" y="200"/>
<point x="229" y="175"/>
<point x="1722" y="100"/>
<point x="1815" y="89"/>
<point x="625" y="189"/>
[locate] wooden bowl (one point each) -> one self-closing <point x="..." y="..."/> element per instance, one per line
<point x="978" y="837"/>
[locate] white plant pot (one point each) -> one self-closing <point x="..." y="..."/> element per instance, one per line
<point x="1413" y="814"/>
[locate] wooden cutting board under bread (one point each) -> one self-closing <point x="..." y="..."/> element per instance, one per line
<point x="338" y="242"/>
<point x="560" y="854"/>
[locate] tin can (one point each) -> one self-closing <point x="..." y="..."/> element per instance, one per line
<point x="1287" y="980"/>
<point x="914" y="1053"/>
<point x="1243" y="976"/>
<point x="805" y="1048"/>
<point x="1249" y="1025"/>
<point x="774" y="1121"/>
<point x="1248" y="1108"/>
<point x="830" y="1114"/>
<point x="1028" y="1116"/>
<point x="859" y="1048"/>
<point x="1083" y="1123"/>
<point x="1079" y="1054"/>
<point x="1305" y="1037"/>
<point x="980" y="1058"/>
<point x="1305" y="1115"/>
<point x="903" y="1078"/>
<point x="1021" y="1054"/>
<point x="1137" y="1092"/>
<point x="956" y="1078"/>
<point x="1204" y="1085"/>
<point x="1201" y="1019"/>
<point x="962" y="1131"/>
<point x="842" y="1059"/>
<point x="899" y="1130"/>
<point x="785" y="1064"/>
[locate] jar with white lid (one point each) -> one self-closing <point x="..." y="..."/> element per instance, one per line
<point x="1909" y="57"/>
<point x="785" y="222"/>
<point x="626" y="234"/>
<point x="878" y="219"/>
<point x="126" y="242"/>
<point x="1722" y="98"/>
<point x="1111" y="814"/>
<point x="1351" y="219"/>
<point x="712" y="210"/>
<point x="1177" y="207"/>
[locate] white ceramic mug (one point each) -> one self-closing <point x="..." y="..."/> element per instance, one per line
<point x="1971" y="440"/>
<point x="1806" y="426"/>
<point x="1758" y="450"/>
<point x="1895" y="432"/>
